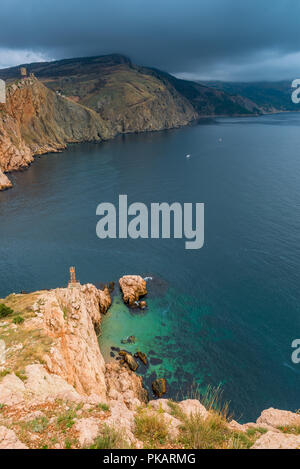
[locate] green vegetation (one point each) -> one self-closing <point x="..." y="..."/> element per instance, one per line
<point x="21" y="375"/>
<point x="103" y="407"/>
<point x="294" y="429"/>
<point x="5" y="311"/>
<point x="66" y="420"/>
<point x="4" y="373"/>
<point x="70" y="443"/>
<point x="109" y="439"/>
<point x="175" y="410"/>
<point x="210" y="433"/>
<point x="38" y="425"/>
<point x="18" y="320"/>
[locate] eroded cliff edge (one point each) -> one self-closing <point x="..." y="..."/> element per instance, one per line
<point x="35" y="120"/>
<point x="57" y="392"/>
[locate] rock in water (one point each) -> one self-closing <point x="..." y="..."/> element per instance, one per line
<point x="159" y="387"/>
<point x="142" y="356"/>
<point x="133" y="287"/>
<point x="4" y="182"/>
<point x="128" y="358"/>
<point x="129" y="340"/>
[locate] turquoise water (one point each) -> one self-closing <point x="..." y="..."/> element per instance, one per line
<point x="226" y="313"/>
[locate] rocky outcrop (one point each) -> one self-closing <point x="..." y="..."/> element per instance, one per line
<point x="133" y="287"/>
<point x="193" y="407"/>
<point x="124" y="384"/>
<point x="5" y="183"/>
<point x="278" y="418"/>
<point x="8" y="439"/>
<point x="68" y="316"/>
<point x="277" y="440"/>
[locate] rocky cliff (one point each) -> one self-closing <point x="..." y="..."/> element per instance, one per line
<point x="57" y="392"/>
<point x="35" y="120"/>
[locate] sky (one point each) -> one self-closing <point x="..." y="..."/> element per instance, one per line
<point x="234" y="40"/>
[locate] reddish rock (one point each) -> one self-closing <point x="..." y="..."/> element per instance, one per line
<point x="133" y="287"/>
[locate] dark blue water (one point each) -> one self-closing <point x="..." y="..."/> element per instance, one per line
<point x="226" y="313"/>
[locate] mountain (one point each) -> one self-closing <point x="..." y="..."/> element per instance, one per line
<point x="132" y="98"/>
<point x="207" y="100"/>
<point x="94" y="99"/>
<point x="269" y="96"/>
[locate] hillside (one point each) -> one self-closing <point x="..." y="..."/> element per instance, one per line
<point x="126" y="100"/>
<point x="269" y="96"/>
<point x="133" y="98"/>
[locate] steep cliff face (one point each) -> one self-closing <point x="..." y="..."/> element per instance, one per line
<point x="35" y="120"/>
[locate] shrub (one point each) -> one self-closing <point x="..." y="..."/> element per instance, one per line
<point x="295" y="429"/>
<point x="109" y="439"/>
<point x="66" y="420"/>
<point x="39" y="424"/>
<point x="5" y="311"/>
<point x="103" y="407"/>
<point x="18" y="320"/>
<point x="209" y="433"/>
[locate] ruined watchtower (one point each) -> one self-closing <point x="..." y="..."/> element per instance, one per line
<point x="73" y="282"/>
<point x="23" y="72"/>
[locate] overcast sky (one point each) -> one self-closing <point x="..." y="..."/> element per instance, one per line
<point x="198" y="39"/>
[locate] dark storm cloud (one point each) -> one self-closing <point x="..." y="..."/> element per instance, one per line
<point x="239" y="39"/>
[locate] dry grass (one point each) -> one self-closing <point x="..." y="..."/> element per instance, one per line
<point x="109" y="438"/>
<point x="24" y="346"/>
<point x="151" y="428"/>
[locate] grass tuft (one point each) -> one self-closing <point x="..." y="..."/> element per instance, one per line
<point x="109" y="438"/>
<point x="151" y="428"/>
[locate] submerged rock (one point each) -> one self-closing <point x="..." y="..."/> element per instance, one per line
<point x="115" y="349"/>
<point x="155" y="361"/>
<point x="130" y="340"/>
<point x="159" y="387"/>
